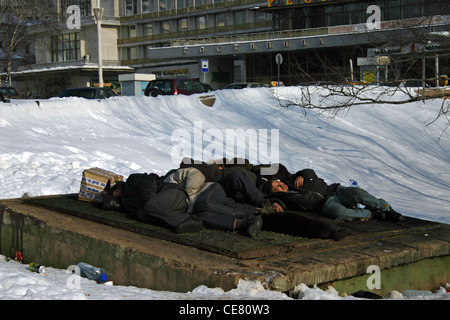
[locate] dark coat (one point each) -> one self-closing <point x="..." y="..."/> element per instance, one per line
<point x="310" y="197"/>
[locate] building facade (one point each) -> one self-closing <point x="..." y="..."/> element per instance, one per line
<point x="319" y="40"/>
<point x="66" y="55"/>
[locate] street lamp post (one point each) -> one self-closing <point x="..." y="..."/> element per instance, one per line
<point x="98" y="12"/>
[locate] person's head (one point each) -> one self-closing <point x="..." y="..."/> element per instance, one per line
<point x="116" y="190"/>
<point x="278" y="186"/>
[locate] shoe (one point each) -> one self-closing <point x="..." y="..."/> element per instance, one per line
<point x="255" y="228"/>
<point x="378" y="215"/>
<point x="394" y="216"/>
<point x="189" y="226"/>
<point x="388" y="215"/>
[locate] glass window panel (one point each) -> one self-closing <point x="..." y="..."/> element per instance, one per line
<point x="220" y="20"/>
<point x="146" y="6"/>
<point x="391" y="10"/>
<point x="201" y="23"/>
<point x="182" y="24"/>
<point x="182" y="4"/>
<point x="65" y="47"/>
<point x="240" y="17"/>
<point x="148" y="29"/>
<point x="165" y="27"/>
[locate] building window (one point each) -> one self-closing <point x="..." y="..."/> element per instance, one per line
<point x="128" y="31"/>
<point x="412" y="9"/>
<point x="337" y="15"/>
<point x="129" y="53"/>
<point x="166" y="5"/>
<point x="146" y="7"/>
<point x="240" y="17"/>
<point x="148" y="29"/>
<point x="262" y="16"/>
<point x="84" y="5"/>
<point x="392" y="10"/>
<point x="200" y="2"/>
<point x="65" y="47"/>
<point x="201" y="23"/>
<point x="220" y="20"/>
<point x="182" y="4"/>
<point x="356" y="12"/>
<point x="183" y="24"/>
<point x="131" y="7"/>
<point x="165" y="27"/>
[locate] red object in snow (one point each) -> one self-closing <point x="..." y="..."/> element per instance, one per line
<point x="18" y="256"/>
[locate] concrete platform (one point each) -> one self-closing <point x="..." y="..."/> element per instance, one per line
<point x="414" y="254"/>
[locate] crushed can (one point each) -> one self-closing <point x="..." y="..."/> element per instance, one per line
<point x="37" y="268"/>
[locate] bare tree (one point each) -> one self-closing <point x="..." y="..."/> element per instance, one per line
<point x="18" y="19"/>
<point x="411" y="47"/>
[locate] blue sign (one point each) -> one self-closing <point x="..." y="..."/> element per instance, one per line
<point x="205" y="65"/>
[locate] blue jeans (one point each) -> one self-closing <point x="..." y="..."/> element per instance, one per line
<point x="343" y="204"/>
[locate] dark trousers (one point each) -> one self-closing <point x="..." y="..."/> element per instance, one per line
<point x="217" y="210"/>
<point x="238" y="185"/>
<point x="168" y="205"/>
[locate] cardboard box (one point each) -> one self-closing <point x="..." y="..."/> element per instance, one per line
<point x="94" y="181"/>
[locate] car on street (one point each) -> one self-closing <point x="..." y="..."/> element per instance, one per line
<point x="9" y="93"/>
<point x="207" y="87"/>
<point x="174" y="87"/>
<point x="3" y="99"/>
<point x="242" y="85"/>
<point x="88" y="93"/>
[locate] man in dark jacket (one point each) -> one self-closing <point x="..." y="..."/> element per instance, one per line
<point x="304" y="190"/>
<point x="147" y="197"/>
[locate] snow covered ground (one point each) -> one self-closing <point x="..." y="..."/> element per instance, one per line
<point x="389" y="149"/>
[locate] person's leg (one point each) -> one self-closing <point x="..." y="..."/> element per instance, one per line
<point x="170" y="206"/>
<point x="334" y="209"/>
<point x="219" y="211"/>
<point x="351" y="196"/>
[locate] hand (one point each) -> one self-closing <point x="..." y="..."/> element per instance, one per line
<point x="277" y="207"/>
<point x="299" y="182"/>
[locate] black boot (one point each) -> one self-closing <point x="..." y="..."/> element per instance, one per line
<point x="378" y="215"/>
<point x="255" y="228"/>
<point x="394" y="216"/>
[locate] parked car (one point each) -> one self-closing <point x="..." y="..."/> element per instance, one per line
<point x="174" y="87"/>
<point x="88" y="93"/>
<point x="242" y="85"/>
<point x="3" y="99"/>
<point x="207" y="87"/>
<point x="9" y="93"/>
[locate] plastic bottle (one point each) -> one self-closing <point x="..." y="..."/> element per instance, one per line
<point x="91" y="272"/>
<point x="37" y="268"/>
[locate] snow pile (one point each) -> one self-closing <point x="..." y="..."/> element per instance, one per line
<point x="389" y="149"/>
